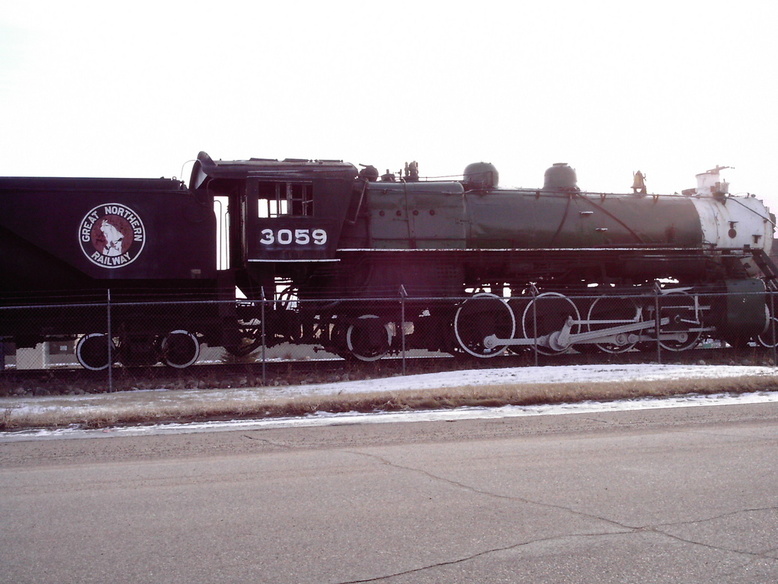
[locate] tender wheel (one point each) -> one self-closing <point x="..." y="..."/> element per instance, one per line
<point x="547" y="314"/>
<point x="368" y="339"/>
<point x="605" y="313"/>
<point x="180" y="349"/>
<point x="479" y="317"/>
<point x="95" y="351"/>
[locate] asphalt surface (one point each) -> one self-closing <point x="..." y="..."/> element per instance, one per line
<point x="677" y="495"/>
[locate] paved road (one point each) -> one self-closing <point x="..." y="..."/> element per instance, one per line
<point x="683" y="495"/>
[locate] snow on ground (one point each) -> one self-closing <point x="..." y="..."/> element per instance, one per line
<point x="329" y="419"/>
<point x="429" y="381"/>
<point x="536" y="376"/>
<point x="155" y="399"/>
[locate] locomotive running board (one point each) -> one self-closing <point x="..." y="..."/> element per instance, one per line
<point x="300" y="260"/>
<point x="562" y="339"/>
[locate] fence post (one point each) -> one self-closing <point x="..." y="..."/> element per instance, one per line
<point x="534" y="291"/>
<point x="657" y="321"/>
<point x="403" y="294"/>
<point x="109" y="335"/>
<point x="772" y="325"/>
<point x="264" y="344"/>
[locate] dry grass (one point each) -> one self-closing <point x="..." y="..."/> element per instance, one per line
<point x="186" y="406"/>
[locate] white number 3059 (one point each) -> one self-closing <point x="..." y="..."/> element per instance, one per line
<point x="296" y="237"/>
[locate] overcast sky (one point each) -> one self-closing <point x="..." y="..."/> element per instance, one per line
<point x="610" y="87"/>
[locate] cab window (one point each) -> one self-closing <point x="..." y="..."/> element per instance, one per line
<point x="285" y="199"/>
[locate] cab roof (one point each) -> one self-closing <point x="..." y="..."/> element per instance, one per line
<point x="288" y="169"/>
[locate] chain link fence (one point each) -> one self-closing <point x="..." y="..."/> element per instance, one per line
<point x="197" y="343"/>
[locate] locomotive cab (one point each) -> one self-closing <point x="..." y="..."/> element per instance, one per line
<point x="282" y="216"/>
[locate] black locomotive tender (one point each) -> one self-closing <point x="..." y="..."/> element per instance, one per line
<point x="321" y="251"/>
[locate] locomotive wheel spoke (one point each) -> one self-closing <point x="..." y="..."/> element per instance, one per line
<point x="624" y="310"/>
<point x="682" y="311"/>
<point x="547" y="314"/>
<point x="480" y="316"/>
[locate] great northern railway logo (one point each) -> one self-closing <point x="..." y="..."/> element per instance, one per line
<point x="112" y="235"/>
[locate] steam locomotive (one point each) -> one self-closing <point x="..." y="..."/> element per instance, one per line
<point x="321" y="252"/>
